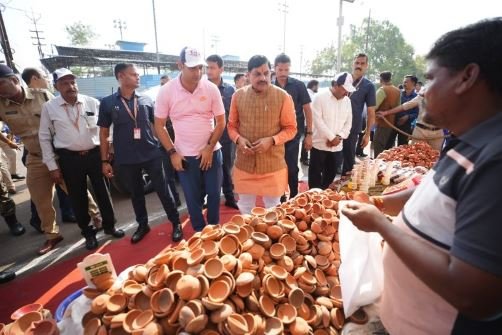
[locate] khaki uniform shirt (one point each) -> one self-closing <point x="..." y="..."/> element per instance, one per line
<point x="24" y="119"/>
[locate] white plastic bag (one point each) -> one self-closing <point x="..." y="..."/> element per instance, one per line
<point x="361" y="271"/>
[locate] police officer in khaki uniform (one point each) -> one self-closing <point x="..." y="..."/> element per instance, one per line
<point x="20" y="108"/>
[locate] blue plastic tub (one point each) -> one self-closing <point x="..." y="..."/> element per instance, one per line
<point x="65" y="303"/>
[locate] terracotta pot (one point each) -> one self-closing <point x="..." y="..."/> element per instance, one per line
<point x="43" y="327"/>
<point x="237" y="324"/>
<point x="116" y="303"/>
<point x="258" y="211"/>
<point x="129" y="318"/>
<point x="188" y="287"/>
<point x="26" y="309"/>
<point x="92" y="326"/>
<point x="359" y="317"/>
<point x="24" y="322"/>
<point x="218" y="291"/>
<point x="214" y="267"/>
<point x="286" y="313"/>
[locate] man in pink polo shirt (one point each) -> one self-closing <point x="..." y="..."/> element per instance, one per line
<point x="194" y="105"/>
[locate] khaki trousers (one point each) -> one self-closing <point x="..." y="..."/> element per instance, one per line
<point x="41" y="189"/>
<point x="435" y="136"/>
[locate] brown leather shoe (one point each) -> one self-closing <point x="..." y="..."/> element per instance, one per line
<point x="49" y="245"/>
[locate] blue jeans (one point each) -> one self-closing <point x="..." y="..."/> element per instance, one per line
<point x="131" y="176"/>
<point x="191" y="180"/>
<point x="292" y="149"/>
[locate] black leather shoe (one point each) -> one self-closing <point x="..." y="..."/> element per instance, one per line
<point x="91" y="242"/>
<point x="177" y="202"/>
<point x="17" y="176"/>
<point x="69" y="218"/>
<point x="36" y="224"/>
<point x="6" y="276"/>
<point x="118" y="233"/>
<point x="177" y="232"/>
<point x="16" y="228"/>
<point x="140" y="233"/>
<point x="283" y="199"/>
<point x="231" y="203"/>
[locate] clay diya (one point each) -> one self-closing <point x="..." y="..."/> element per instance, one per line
<point x="188" y="287"/>
<point x="286" y="313"/>
<point x="214" y="267"/>
<point x="24" y="322"/>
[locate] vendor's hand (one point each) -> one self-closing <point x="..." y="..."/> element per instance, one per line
<point x="381" y="114"/>
<point x="107" y="170"/>
<point x="245" y="146"/>
<point x="56" y="176"/>
<point x="364" y="216"/>
<point x="366" y="139"/>
<point x="206" y="158"/>
<point x="334" y="142"/>
<point x="13" y="145"/>
<point x="177" y="161"/>
<point x="401" y="121"/>
<point x="263" y="144"/>
<point x="307" y="142"/>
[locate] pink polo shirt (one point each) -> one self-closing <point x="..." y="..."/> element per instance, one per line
<point x="192" y="114"/>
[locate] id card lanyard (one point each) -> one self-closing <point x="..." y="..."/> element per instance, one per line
<point x="137" y="131"/>
<point x="75" y="121"/>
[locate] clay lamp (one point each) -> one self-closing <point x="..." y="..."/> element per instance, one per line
<point x="287" y="263"/>
<point x="267" y="305"/>
<point x="286" y="313"/>
<point x="210" y="248"/>
<point x="98" y="305"/>
<point x="270" y="218"/>
<point x="219" y="291"/>
<point x="274" y="326"/>
<point x="162" y="302"/>
<point x="243" y="235"/>
<point x="229" y="245"/>
<point x="142" y="319"/>
<point x="301" y="201"/>
<point x="197" y="324"/>
<point x="257" y="251"/>
<point x="42" y="327"/>
<point x="117" y="320"/>
<point x="238" y="220"/>
<point x="157" y="276"/>
<point x="230" y="228"/>
<point x="188" y="287"/>
<point x="213" y="268"/>
<point x="336" y="295"/>
<point x="26" y="309"/>
<point x="211" y="305"/>
<point x="273" y="286"/>
<point x="277" y="251"/>
<point x="172" y="278"/>
<point x="279" y="272"/>
<point x="260" y="238"/>
<point x="153" y="328"/>
<point x="186" y="315"/>
<point x="140" y="273"/>
<point x="337" y="318"/>
<point x="91" y="327"/>
<point x="195" y="256"/>
<point x="287" y="225"/>
<point x="220" y="315"/>
<point x="237" y="324"/>
<point x="296" y="297"/>
<point x="116" y="303"/>
<point x="24" y="322"/>
<point x="258" y="211"/>
<point x="274" y="232"/>
<point x="299" y="327"/>
<point x="360" y="317"/>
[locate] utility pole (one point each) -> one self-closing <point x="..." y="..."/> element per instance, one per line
<point x="37" y="33"/>
<point x="156" y="41"/>
<point x="7" y="51"/>
<point x="283" y="7"/>
<point x="120" y="25"/>
<point x="340" y="24"/>
<point x="367" y="32"/>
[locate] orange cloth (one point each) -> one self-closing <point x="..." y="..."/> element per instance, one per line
<point x="267" y="184"/>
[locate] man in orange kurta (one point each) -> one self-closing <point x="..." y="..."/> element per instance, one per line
<point x="262" y="118"/>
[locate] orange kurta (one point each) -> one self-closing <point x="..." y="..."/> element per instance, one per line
<point x="273" y="182"/>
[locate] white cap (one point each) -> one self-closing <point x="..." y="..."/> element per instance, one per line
<point x="191" y="57"/>
<point x="345" y="79"/>
<point x="62" y="72"/>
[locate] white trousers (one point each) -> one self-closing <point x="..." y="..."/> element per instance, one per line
<point x="248" y="201"/>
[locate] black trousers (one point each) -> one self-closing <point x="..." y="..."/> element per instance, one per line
<point x="76" y="168"/>
<point x="228" y="153"/>
<point x="292" y="149"/>
<point x="322" y="168"/>
<point x="131" y="176"/>
<point x="349" y="152"/>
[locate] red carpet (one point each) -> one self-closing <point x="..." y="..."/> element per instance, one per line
<point x="51" y="286"/>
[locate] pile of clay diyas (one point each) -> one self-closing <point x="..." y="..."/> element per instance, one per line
<point x="272" y="272"/>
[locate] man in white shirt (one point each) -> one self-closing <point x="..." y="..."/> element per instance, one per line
<point x="68" y="128"/>
<point x="332" y="116"/>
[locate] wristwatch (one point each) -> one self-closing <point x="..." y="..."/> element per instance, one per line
<point x="308" y="132"/>
<point x="105" y="161"/>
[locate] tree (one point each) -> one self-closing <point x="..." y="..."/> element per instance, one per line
<point x="80" y="34"/>
<point x="385" y="46"/>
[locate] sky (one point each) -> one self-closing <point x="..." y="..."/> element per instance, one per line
<point x="233" y="27"/>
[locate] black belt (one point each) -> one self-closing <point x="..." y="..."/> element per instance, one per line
<point x="77" y="153"/>
<point x="419" y="125"/>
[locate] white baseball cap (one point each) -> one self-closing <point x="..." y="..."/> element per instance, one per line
<point x="62" y="72"/>
<point x="345" y="79"/>
<point x="191" y="57"/>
